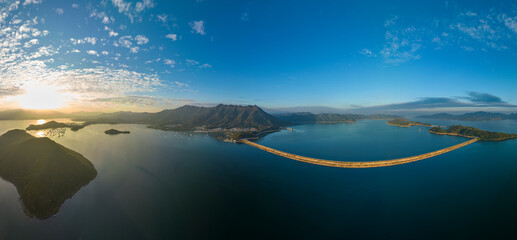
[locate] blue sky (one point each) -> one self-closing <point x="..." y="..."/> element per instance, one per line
<point x="365" y="55"/>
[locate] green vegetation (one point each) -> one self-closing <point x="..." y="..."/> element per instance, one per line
<point x="54" y="124"/>
<point x="115" y="132"/>
<point x="458" y="130"/>
<point x="44" y="172"/>
<point x="243" y="135"/>
<point x="402" y="122"/>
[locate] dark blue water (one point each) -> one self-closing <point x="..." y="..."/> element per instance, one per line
<point x="166" y="185"/>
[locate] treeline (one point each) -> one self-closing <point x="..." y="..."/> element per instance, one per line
<point x="473" y="132"/>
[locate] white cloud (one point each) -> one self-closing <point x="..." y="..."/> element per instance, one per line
<point x="198" y="27"/>
<point x="31" y="43"/>
<point x="125" y="41"/>
<point x="113" y="34"/>
<point x="172" y="36"/>
<point x="60" y="11"/>
<point x="27" y="2"/>
<point x="76" y="51"/>
<point x="169" y="62"/>
<point x="102" y="16"/>
<point x="92" y="52"/>
<point x="131" y="12"/>
<point x="511" y="23"/>
<point x="91" y="40"/>
<point x="390" y="21"/>
<point x="141" y="39"/>
<point x="74" y="5"/>
<point x="191" y="62"/>
<point x="134" y="49"/>
<point x="105" y="53"/>
<point x="206" y="65"/>
<point x="366" y="52"/>
<point x="162" y="17"/>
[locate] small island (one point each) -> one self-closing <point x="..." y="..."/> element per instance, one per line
<point x="44" y="172"/>
<point x="471" y="132"/>
<point x="402" y="122"/>
<point x="115" y="132"/>
<point x="54" y="124"/>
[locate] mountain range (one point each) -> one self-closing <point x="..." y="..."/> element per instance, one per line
<point x="474" y="116"/>
<point x="192" y="117"/>
<point x="307" y="117"/>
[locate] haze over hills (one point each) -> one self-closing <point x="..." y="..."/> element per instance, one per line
<point x="25" y="114"/>
<point x="307" y="117"/>
<point x="44" y="172"/>
<point x="474" y="116"/>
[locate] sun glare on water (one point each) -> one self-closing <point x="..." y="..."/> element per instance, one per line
<point x="41" y="98"/>
<point x="41" y="121"/>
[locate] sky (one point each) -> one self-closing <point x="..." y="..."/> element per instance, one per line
<point x="362" y="56"/>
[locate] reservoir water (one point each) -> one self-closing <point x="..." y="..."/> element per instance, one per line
<point x="153" y="184"/>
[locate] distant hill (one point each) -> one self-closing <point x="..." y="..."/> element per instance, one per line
<point x="307" y="117"/>
<point x="474" y="116"/>
<point x="191" y="117"/>
<point x="21" y="114"/>
<point x="402" y="122"/>
<point x="44" y="172"/>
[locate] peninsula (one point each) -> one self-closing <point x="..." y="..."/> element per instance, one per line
<point x="44" y="172"/>
<point x="402" y="122"/>
<point x="470" y="132"/>
<point x="54" y="124"/>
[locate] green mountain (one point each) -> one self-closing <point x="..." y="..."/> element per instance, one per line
<point x="474" y="116"/>
<point x="191" y="117"/>
<point x="307" y="117"/>
<point x="44" y="172"/>
<point x="458" y="130"/>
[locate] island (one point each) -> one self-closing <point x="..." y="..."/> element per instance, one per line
<point x="115" y="132"/>
<point x="471" y="132"/>
<point x="54" y="124"/>
<point x="402" y="122"/>
<point x="44" y="172"/>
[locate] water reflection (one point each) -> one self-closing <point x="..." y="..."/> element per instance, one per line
<point x="41" y="121"/>
<point x="53" y="133"/>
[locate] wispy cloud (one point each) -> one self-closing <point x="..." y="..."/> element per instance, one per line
<point x="198" y="27"/>
<point x="493" y="29"/>
<point x="60" y="11"/>
<point x="132" y="12"/>
<point x="141" y="39"/>
<point x="172" y="36"/>
<point x="473" y="100"/>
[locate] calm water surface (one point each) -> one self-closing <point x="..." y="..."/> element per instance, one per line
<point x="153" y="184"/>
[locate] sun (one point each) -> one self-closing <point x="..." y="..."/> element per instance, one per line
<point x="41" y="98"/>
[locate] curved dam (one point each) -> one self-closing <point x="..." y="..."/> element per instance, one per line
<point x="369" y="164"/>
